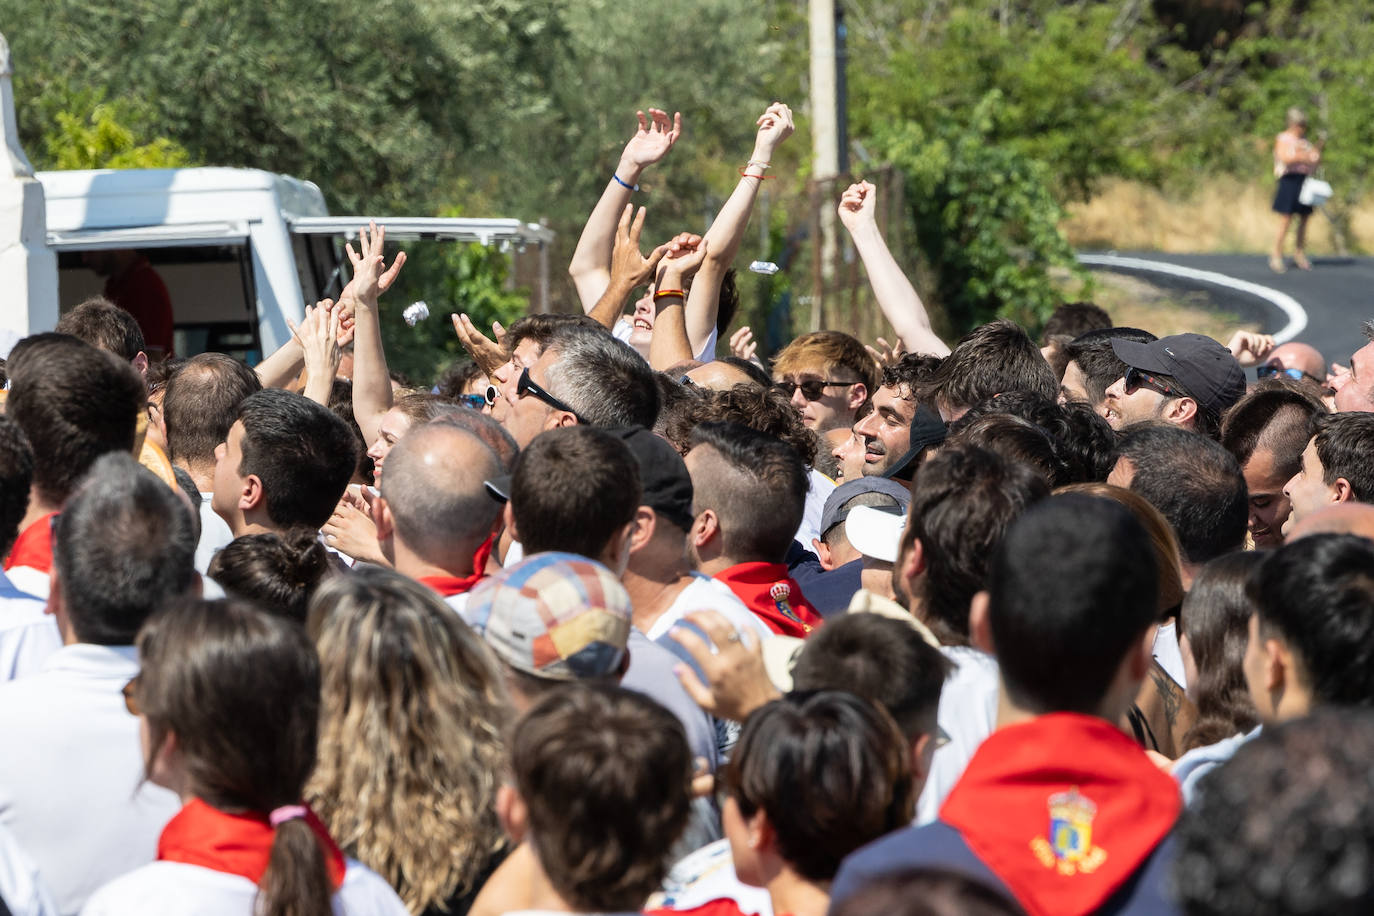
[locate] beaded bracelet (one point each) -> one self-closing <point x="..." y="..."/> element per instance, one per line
<point x="664" y="293"/>
<point x="631" y="187"/>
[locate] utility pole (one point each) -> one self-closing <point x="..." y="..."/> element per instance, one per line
<point x="824" y="145"/>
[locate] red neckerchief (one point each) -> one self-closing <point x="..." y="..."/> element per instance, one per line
<point x="1063" y="809"/>
<point x="239" y="844"/>
<point x="773" y="596"/>
<point x="448" y="586"/>
<point x="33" y="547"/>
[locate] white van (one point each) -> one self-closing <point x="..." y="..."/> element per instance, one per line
<point x="240" y="250"/>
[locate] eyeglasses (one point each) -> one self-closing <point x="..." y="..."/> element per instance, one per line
<point x="1137" y="379"/>
<point x="1295" y="374"/>
<point x="526" y="386"/>
<point x="130" y="691"/>
<point x="475" y="401"/>
<point x="811" y="389"/>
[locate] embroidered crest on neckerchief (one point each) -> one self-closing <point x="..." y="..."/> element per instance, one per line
<point x="780" y="593"/>
<point x="1069" y="849"/>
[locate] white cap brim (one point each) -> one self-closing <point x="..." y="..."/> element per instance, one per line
<point x="875" y="533"/>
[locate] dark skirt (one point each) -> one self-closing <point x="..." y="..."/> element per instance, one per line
<point x="1286" y="198"/>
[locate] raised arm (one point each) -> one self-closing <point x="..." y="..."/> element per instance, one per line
<point x="629" y="268"/>
<point x="371" y="380"/>
<point x="591" y="260"/>
<point x="318" y="336"/>
<point x="895" y="294"/>
<point x="669" y="345"/>
<point x="727" y="230"/>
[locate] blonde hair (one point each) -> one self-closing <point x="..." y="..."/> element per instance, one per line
<point x="1168" y="558"/>
<point x="1295" y="117"/>
<point x="411" y="751"/>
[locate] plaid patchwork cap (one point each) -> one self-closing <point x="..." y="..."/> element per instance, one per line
<point x="558" y="616"/>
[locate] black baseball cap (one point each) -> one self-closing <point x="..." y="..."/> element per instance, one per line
<point x="1206" y="369"/>
<point x="662" y="474"/>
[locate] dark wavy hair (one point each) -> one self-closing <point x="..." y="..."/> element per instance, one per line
<point x="1215" y="619"/>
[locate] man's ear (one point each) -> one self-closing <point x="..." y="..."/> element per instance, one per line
<point x="558" y="418"/>
<point x="762" y="836"/>
<point x="919" y="770"/>
<point x="1182" y="411"/>
<point x="1342" y="491"/>
<point x="140" y="362"/>
<point x="857" y="395"/>
<point x="511" y="810"/>
<point x="383" y="519"/>
<point x="705" y="528"/>
<point x="913" y="565"/>
<point x="979" y="625"/>
<point x="508" y="517"/>
<point x="646" y="521"/>
<point x="1278" y="665"/>
<point x="251" y="494"/>
<point x="823" y="554"/>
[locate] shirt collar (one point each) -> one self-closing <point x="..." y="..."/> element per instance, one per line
<point x="89" y="660"/>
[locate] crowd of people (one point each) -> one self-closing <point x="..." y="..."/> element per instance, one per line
<point x="605" y="622"/>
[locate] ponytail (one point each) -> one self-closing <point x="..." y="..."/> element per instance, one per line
<point x="296" y="882"/>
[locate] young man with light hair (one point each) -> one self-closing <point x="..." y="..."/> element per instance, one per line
<point x="828" y="375"/>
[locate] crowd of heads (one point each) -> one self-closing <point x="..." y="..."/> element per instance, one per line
<point x="492" y="637"/>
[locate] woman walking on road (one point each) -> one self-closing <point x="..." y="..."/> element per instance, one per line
<point x="1294" y="159"/>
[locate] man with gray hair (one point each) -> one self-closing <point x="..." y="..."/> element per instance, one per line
<point x="73" y="789"/>
<point x="434" y="517"/>
<point x="582" y="375"/>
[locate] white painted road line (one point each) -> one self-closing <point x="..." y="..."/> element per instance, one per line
<point x="1296" y="314"/>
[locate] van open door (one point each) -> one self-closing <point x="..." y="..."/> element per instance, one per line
<point x="207" y="268"/>
<point x="318" y="244"/>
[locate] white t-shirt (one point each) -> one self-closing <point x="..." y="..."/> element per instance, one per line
<point x="709" y="874"/>
<point x="214" y="533"/>
<point x="176" y="888"/>
<point x="21" y="887"/>
<point x="706" y="594"/>
<point x="816" y="495"/>
<point x="28" y="634"/>
<point x="967" y="714"/>
<point x="623" y="328"/>
<point x="71" y="774"/>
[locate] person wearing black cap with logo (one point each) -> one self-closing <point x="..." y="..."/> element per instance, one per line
<point x="1186" y="379"/>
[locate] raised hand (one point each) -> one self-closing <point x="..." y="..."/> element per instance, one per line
<point x="857" y="205"/>
<point x="318" y="336"/>
<point x="630" y="268"/>
<point x="488" y="354"/>
<point x="1250" y="349"/>
<point x="371" y="277"/>
<point x="653" y="140"/>
<point x="736" y="680"/>
<point x="886" y="354"/>
<point x="775" y="126"/>
<point x="742" y="343"/>
<point x="683" y="259"/>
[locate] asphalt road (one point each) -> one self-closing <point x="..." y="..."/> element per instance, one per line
<point x="1337" y="294"/>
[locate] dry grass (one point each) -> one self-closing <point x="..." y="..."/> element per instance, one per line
<point x="1224" y="215"/>
<point x="1136" y="303"/>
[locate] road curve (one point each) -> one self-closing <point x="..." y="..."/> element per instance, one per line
<point x="1337" y="295"/>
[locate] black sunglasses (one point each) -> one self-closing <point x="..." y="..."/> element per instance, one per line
<point x="526" y="386"/>
<point x="811" y="389"/>
<point x="1295" y="374"/>
<point x="1138" y="379"/>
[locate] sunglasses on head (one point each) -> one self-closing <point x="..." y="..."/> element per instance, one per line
<point x="1135" y="378"/>
<point x="1295" y="374"/>
<point x="811" y="389"/>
